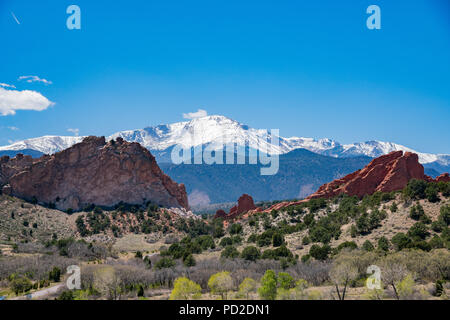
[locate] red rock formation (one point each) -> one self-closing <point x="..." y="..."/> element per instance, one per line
<point x="445" y="177"/>
<point x="390" y="172"/>
<point x="245" y="203"/>
<point x="92" y="172"/>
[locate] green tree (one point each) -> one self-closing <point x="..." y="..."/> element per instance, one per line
<point x="55" y="274"/>
<point x="250" y="253"/>
<point x="247" y="286"/>
<point x="368" y="246"/>
<point x="220" y="283"/>
<point x="165" y="262"/>
<point x="418" y="231"/>
<point x="185" y="289"/>
<point x="431" y="193"/>
<point x="285" y="280"/>
<point x="401" y="241"/>
<point x="268" y="288"/>
<point x="236" y="228"/>
<point x="320" y="253"/>
<point x="277" y="239"/>
<point x="383" y="244"/>
<point x="189" y="260"/>
<point x="229" y="252"/>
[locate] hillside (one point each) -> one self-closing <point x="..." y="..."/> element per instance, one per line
<point x="300" y="173"/>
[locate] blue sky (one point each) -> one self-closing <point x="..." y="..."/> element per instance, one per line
<point x="309" y="68"/>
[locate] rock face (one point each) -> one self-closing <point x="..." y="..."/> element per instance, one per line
<point x="387" y="173"/>
<point x="245" y="203"/>
<point x="92" y="172"/>
<point x="390" y="172"/>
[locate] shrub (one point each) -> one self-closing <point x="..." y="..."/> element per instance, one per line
<point x="347" y="244"/>
<point x="226" y="241"/>
<point x="285" y="280"/>
<point x="250" y="253"/>
<point x="415" y="189"/>
<point x="431" y="193"/>
<point x="383" y="244"/>
<point x="236" y="228"/>
<point x="393" y="207"/>
<point x="55" y="274"/>
<point x="229" y="252"/>
<point x="277" y="239"/>
<point x="418" y="231"/>
<point x="320" y="253"/>
<point x="444" y="215"/>
<point x="165" y="262"/>
<point x="368" y="246"/>
<point x="189" y="260"/>
<point x="401" y="241"/>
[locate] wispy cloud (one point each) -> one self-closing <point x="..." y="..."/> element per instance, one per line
<point x="15" y="18"/>
<point x="75" y="131"/>
<point x="5" y="85"/>
<point x="194" y="115"/>
<point x="12" y="128"/>
<point x="31" y="79"/>
<point x="13" y="100"/>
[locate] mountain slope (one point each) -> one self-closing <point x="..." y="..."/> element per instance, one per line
<point x="300" y="173"/>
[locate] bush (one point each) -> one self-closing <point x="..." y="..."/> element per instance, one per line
<point x="165" y="262"/>
<point x="55" y="274"/>
<point x="393" y="207"/>
<point x="415" y="189"/>
<point x="444" y="215"/>
<point x="250" y="253"/>
<point x="189" y="260"/>
<point x="418" y="231"/>
<point x="226" y="241"/>
<point x="320" y="253"/>
<point x="368" y="246"/>
<point x="383" y="244"/>
<point x="229" y="252"/>
<point x="401" y="241"/>
<point x="431" y="193"/>
<point x="236" y="228"/>
<point x="347" y="244"/>
<point x="277" y="239"/>
<point x="285" y="280"/>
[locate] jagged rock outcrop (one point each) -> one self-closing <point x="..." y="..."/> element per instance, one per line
<point x="390" y="172"/>
<point x="245" y="203"/>
<point x="92" y="172"/>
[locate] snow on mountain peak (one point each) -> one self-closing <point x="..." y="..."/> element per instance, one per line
<point x="216" y="130"/>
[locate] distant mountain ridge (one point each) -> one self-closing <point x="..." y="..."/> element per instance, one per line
<point x="215" y="130"/>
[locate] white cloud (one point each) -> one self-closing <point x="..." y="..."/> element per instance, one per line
<point x="75" y="131"/>
<point x="12" y="100"/>
<point x="5" y="85"/>
<point x="12" y="128"/>
<point x="31" y="79"/>
<point x="194" y="115"/>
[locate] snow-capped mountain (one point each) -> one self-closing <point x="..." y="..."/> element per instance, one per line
<point x="214" y="131"/>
